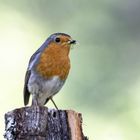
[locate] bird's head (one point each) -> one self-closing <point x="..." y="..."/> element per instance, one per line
<point x="61" y="40"/>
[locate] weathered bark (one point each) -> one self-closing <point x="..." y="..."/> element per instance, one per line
<point x="41" y="123"/>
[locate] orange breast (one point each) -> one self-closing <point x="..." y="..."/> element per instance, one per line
<point x="54" y="61"/>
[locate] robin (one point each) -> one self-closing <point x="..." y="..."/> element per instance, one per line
<point x="48" y="69"/>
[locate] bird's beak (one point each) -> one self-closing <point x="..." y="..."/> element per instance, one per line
<point x="72" y="42"/>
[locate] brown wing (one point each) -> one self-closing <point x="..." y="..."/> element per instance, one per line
<point x="26" y="91"/>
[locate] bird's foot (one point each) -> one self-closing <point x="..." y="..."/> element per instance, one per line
<point x="35" y="102"/>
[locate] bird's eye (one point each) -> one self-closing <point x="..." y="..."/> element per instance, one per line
<point x="57" y="39"/>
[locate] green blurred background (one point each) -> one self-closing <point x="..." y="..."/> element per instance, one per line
<point x="104" y="81"/>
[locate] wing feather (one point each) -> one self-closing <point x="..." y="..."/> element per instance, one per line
<point x="26" y="91"/>
<point x="32" y="62"/>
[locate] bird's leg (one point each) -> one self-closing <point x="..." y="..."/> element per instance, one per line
<point x="36" y="112"/>
<point x="34" y="101"/>
<point x="54" y="103"/>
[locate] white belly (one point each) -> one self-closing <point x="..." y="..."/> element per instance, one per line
<point x="43" y="89"/>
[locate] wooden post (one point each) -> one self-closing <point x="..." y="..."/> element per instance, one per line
<point x="41" y="123"/>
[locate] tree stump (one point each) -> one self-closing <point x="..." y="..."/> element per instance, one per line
<point x="41" y="123"/>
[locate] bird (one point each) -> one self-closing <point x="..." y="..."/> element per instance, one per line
<point x="48" y="69"/>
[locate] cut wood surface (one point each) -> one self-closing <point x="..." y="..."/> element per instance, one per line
<point x="41" y="123"/>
